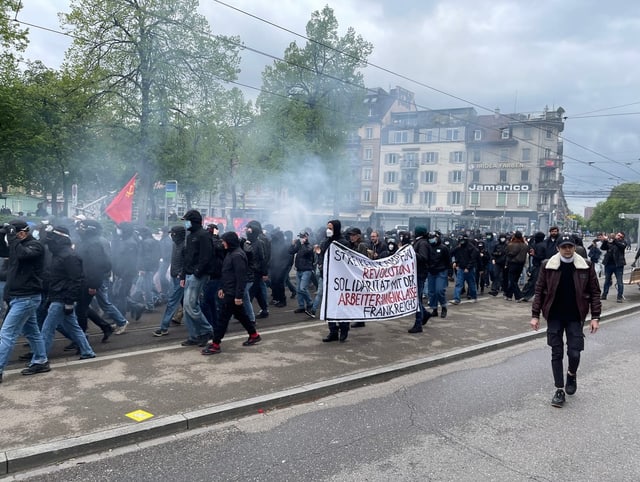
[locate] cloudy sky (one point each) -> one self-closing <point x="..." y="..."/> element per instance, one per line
<point x="515" y="55"/>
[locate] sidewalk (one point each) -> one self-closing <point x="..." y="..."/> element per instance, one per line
<point x="80" y="407"/>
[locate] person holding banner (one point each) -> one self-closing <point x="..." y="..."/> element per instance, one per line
<point x="337" y="331"/>
<point x="356" y="243"/>
<point x="421" y="247"/>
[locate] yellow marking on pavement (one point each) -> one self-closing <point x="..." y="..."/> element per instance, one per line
<point x="139" y="415"/>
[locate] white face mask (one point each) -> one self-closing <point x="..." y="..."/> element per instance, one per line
<point x="119" y="231"/>
<point x="36" y="234"/>
<point x="329" y="232"/>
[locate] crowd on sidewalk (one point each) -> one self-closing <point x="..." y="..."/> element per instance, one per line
<point x="59" y="274"/>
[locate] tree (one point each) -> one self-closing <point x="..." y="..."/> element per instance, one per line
<point x="624" y="198"/>
<point x="312" y="100"/>
<point x="155" y="60"/>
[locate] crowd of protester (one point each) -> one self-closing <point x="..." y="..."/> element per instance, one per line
<point x="61" y="273"/>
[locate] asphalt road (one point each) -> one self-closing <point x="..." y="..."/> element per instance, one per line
<point x="482" y="418"/>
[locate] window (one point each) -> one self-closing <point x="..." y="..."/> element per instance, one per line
<point x="368" y="154"/>
<point x="455" y="176"/>
<point x="429" y="177"/>
<point x="366" y="174"/>
<point x="549" y="134"/>
<point x="453" y="134"/>
<point x="369" y="132"/>
<point x="428" y="198"/>
<point x="408" y="198"/>
<point x="524" y="175"/>
<point x="366" y="196"/>
<point x="505" y="134"/>
<point x="526" y="133"/>
<point x="544" y="198"/>
<point x="429" y="157"/>
<point x="503" y="176"/>
<point x="391" y="159"/>
<point x="455" y="198"/>
<point x="389" y="197"/>
<point x="475" y="176"/>
<point x="547" y="153"/>
<point x="400" y="137"/>
<point x="504" y="155"/>
<point x="428" y="136"/>
<point x="526" y="154"/>
<point x="501" y="200"/>
<point x="456" y="156"/>
<point x="477" y="156"/>
<point x="523" y="199"/>
<point x="477" y="135"/>
<point x="475" y="198"/>
<point x="390" y="177"/>
<point x="411" y="158"/>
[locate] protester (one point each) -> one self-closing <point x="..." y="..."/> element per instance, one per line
<point x="517" y="251"/>
<point x="465" y="261"/>
<point x="233" y="282"/>
<point x="614" y="262"/>
<point x="567" y="289"/>
<point x="65" y="279"/>
<point x="197" y="256"/>
<point x="355" y="242"/>
<point x="23" y="293"/>
<point x="421" y="248"/>
<point x="303" y="264"/>
<point x="437" y="279"/>
<point x="338" y="331"/>
<point x="178" y="235"/>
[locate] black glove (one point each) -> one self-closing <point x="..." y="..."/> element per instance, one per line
<point x="68" y="309"/>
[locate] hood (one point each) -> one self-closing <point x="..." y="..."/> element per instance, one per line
<point x="232" y="240"/>
<point x="178" y="234"/>
<point x="256" y="230"/>
<point x="337" y="228"/>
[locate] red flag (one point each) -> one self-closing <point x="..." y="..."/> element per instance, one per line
<point x="121" y="208"/>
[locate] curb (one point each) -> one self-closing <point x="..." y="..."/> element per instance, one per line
<point x="17" y="460"/>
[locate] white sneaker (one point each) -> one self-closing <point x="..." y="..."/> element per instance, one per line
<point x="121" y="329"/>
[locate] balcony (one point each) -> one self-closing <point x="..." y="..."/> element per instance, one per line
<point x="410" y="185"/>
<point x="548" y="185"/>
<point x="413" y="164"/>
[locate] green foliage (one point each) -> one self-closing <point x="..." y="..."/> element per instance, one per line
<point x="624" y="198"/>
<point x="157" y="64"/>
<point x="312" y="99"/>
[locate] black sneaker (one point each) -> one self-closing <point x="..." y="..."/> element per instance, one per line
<point x="211" y="349"/>
<point x="280" y="304"/>
<point x="253" y="339"/>
<point x="558" y="398"/>
<point x="160" y="332"/>
<point x="263" y="314"/>
<point x="435" y="312"/>
<point x="572" y="384"/>
<point x="417" y="328"/>
<point x="87" y="356"/>
<point x="35" y="368"/>
<point x="331" y="337"/>
<point x="190" y="342"/>
<point x="426" y="317"/>
<point x="443" y="314"/>
<point x="309" y="313"/>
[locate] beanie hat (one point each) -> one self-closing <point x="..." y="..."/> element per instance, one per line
<point x="420" y="230"/>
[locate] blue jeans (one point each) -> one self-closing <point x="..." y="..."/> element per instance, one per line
<point x="68" y="325"/>
<point x="470" y="278"/>
<point x="21" y="319"/>
<point x="2" y="304"/>
<point x="173" y="302"/>
<point x="246" y="302"/>
<point x="108" y="308"/>
<point x="197" y="324"/>
<point x="147" y="289"/>
<point x="437" y="289"/>
<point x="609" y="271"/>
<point x="318" y="299"/>
<point x="304" y="298"/>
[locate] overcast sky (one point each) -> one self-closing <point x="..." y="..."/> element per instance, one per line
<point x="519" y="56"/>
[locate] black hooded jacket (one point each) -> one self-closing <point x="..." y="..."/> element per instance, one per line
<point x="235" y="268"/>
<point x="257" y="251"/>
<point x="198" y="251"/>
<point x="65" y="272"/>
<point x="95" y="262"/>
<point x="337" y="237"/>
<point x="25" y="267"/>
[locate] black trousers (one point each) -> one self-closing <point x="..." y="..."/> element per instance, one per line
<point x="83" y="311"/>
<point x="228" y="309"/>
<point x="556" y="330"/>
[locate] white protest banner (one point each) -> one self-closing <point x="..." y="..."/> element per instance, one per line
<point x="357" y="288"/>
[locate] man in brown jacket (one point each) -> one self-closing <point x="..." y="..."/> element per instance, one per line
<point x="566" y="290"/>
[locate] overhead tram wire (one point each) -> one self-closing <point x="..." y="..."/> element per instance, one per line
<point x="404" y="77"/>
<point x="274" y="57"/>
